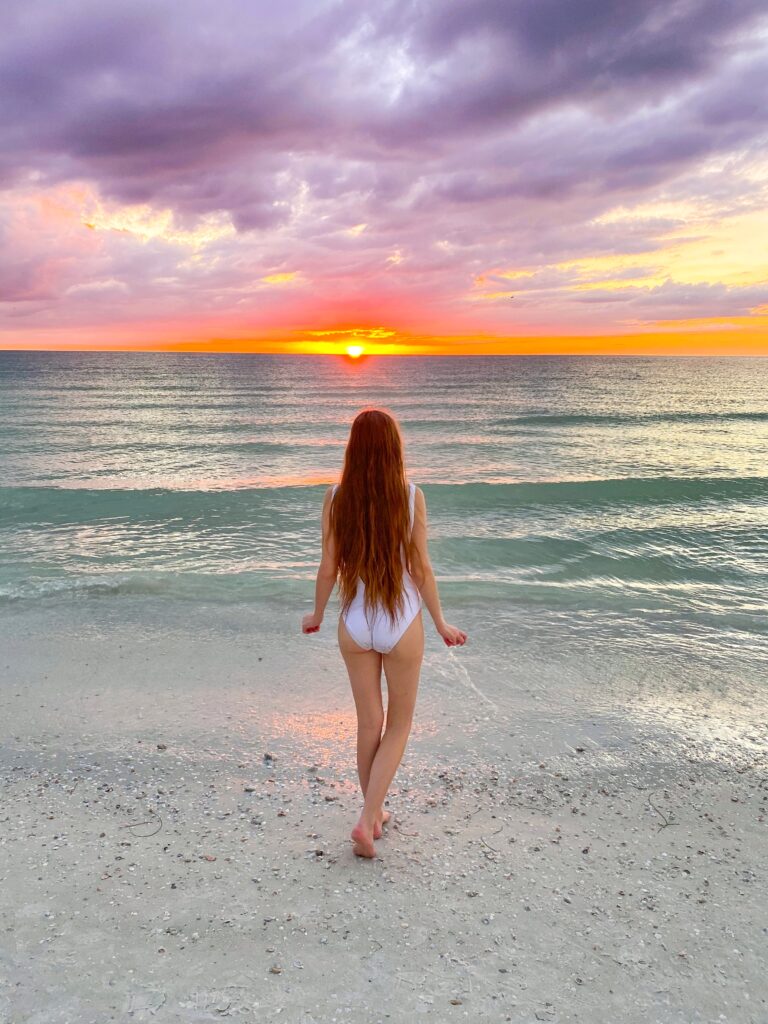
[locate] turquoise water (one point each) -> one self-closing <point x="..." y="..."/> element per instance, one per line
<point x="617" y="504"/>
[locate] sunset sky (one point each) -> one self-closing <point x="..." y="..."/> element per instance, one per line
<point x="404" y="175"/>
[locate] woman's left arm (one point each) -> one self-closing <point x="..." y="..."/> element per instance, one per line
<point x="326" y="574"/>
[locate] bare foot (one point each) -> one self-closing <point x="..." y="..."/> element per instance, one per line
<point x="385" y="816"/>
<point x="363" y="841"/>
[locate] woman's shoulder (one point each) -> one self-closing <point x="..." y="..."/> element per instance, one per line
<point x="416" y="499"/>
<point x="419" y="501"/>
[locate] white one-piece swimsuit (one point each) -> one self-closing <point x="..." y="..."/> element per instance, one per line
<point x="372" y="629"/>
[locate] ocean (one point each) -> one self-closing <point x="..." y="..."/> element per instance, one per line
<point x="596" y="510"/>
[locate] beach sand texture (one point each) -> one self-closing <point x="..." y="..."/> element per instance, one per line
<point x="175" y="817"/>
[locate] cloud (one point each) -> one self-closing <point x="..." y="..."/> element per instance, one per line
<point x="386" y="155"/>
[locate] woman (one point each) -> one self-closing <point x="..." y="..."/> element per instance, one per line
<point x="374" y="543"/>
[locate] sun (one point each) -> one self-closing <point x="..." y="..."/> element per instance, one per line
<point x="354" y="351"/>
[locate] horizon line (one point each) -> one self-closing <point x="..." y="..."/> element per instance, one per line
<point x="71" y="350"/>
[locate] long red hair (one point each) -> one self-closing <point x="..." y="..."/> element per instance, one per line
<point x="369" y="514"/>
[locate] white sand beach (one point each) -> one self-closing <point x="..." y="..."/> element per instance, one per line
<point x="178" y="792"/>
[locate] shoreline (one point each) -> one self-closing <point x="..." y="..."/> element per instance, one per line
<point x="589" y="865"/>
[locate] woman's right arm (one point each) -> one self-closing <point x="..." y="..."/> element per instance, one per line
<point x="424" y="577"/>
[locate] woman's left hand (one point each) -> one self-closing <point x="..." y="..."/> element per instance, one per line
<point x="311" y="623"/>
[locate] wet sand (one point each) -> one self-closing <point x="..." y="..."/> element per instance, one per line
<point x="178" y="789"/>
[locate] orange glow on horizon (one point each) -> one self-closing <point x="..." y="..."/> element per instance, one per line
<point x="746" y="336"/>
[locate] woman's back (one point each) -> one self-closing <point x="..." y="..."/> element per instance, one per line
<point x="371" y="627"/>
<point x="411" y="513"/>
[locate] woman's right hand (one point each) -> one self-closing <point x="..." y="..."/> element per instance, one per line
<point x="452" y="636"/>
<point x="311" y="623"/>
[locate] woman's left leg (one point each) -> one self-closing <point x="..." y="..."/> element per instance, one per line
<point x="364" y="669"/>
<point x="402" y="666"/>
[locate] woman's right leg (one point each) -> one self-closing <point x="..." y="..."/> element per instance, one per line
<point x="364" y="670"/>
<point x="402" y="666"/>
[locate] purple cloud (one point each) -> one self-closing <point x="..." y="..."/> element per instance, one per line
<point x="463" y="136"/>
